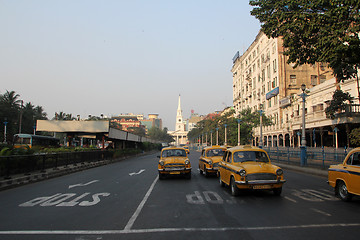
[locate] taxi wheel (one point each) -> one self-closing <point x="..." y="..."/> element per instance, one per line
<point x="343" y="192"/>
<point x="222" y="184"/>
<point x="277" y="191"/>
<point x="161" y="176"/>
<point x="234" y="189"/>
<point x="206" y="173"/>
<point x="201" y="171"/>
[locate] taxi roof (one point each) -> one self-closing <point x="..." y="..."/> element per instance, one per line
<point x="246" y="148"/>
<point x="214" y="147"/>
<point x="173" y="147"/>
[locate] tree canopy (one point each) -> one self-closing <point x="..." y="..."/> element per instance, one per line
<point x="315" y="31"/>
<point x="11" y="108"/>
<point x="249" y="120"/>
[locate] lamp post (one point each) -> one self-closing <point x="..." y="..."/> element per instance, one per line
<point x="336" y="137"/>
<point x="225" y="143"/>
<point x="5" y="124"/>
<point x="217" y="136"/>
<point x="261" y="135"/>
<point x="239" y="121"/>
<point x="21" y="112"/>
<point x="303" y="137"/>
<point x="211" y="138"/>
<point x="206" y="138"/>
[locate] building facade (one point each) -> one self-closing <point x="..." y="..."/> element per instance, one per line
<point x="262" y="80"/>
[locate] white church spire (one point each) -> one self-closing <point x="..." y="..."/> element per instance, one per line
<point x="179" y="125"/>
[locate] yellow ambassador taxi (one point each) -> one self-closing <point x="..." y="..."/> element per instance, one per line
<point x="210" y="158"/>
<point x="248" y="167"/>
<point x="174" y="161"/>
<point x="345" y="177"/>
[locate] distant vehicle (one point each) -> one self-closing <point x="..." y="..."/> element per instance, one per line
<point x="28" y="140"/>
<point x="174" y="160"/>
<point x="164" y="145"/>
<point x="210" y="158"/>
<point x="345" y="177"/>
<point x="248" y="167"/>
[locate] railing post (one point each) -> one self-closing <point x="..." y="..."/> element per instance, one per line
<point x="323" y="156"/>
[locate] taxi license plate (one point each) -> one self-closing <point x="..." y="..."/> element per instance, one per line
<point x="175" y="172"/>
<point x="262" y="187"/>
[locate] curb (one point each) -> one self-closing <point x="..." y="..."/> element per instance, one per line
<point x="52" y="173"/>
<point x="313" y="171"/>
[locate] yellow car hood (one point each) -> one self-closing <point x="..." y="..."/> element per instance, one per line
<point x="174" y="160"/>
<point x="258" y="167"/>
<point x="215" y="159"/>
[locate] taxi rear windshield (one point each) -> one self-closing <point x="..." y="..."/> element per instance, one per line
<point x="250" y="156"/>
<point x="215" y="152"/>
<point x="174" y="153"/>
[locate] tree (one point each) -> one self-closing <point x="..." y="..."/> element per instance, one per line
<point x="355" y="137"/>
<point x="249" y="120"/>
<point x="156" y="133"/>
<point x="9" y="112"/>
<point x="315" y="31"/>
<point x="338" y="103"/>
<point x="63" y="116"/>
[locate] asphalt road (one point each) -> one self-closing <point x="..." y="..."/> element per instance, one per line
<point x="125" y="200"/>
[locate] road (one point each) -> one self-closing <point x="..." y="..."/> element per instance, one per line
<point x="125" y="200"/>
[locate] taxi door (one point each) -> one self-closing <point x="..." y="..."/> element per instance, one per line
<point x="353" y="176"/>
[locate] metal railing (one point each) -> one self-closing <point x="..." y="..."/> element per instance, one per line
<point x="24" y="164"/>
<point x="316" y="157"/>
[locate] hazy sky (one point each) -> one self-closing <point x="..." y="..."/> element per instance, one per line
<point x="115" y="56"/>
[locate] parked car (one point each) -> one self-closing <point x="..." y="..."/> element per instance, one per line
<point x="210" y="158"/>
<point x="248" y="167"/>
<point x="345" y="177"/>
<point x="174" y="161"/>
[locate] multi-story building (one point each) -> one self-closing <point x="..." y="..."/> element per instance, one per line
<point x="153" y="121"/>
<point x="193" y="120"/>
<point x="263" y="80"/>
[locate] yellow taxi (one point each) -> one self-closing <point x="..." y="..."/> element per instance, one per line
<point x="210" y="158"/>
<point x="248" y="167"/>
<point x="187" y="149"/>
<point x="174" y="161"/>
<point x="345" y="177"/>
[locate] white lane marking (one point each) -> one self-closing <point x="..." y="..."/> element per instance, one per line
<point x="142" y="170"/>
<point x="321" y="212"/>
<point x="290" y="199"/>
<point x="141" y="205"/>
<point x="162" y="230"/>
<point x="83" y="184"/>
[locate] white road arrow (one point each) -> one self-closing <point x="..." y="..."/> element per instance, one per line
<point x="142" y="170"/>
<point x="82" y="184"/>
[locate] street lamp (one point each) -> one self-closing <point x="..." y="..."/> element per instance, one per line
<point x="261" y="135"/>
<point x="217" y="136"/>
<point x="225" y="143"/>
<point x="336" y="137"/>
<point x="303" y="137"/>
<point x="239" y="121"/>
<point x="21" y="112"/>
<point x="211" y="137"/>
<point x="5" y="124"/>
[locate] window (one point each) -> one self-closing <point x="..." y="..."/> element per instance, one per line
<point x="274" y="66"/>
<point x="274" y="82"/>
<point x="263" y="75"/>
<point x="313" y="80"/>
<point x="293" y="79"/>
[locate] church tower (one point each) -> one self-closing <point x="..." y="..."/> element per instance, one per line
<point x="179" y="125"/>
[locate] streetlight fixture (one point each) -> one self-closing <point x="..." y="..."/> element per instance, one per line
<point x="225" y="143"/>
<point x="303" y="137"/>
<point x="239" y="121"/>
<point x="21" y="113"/>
